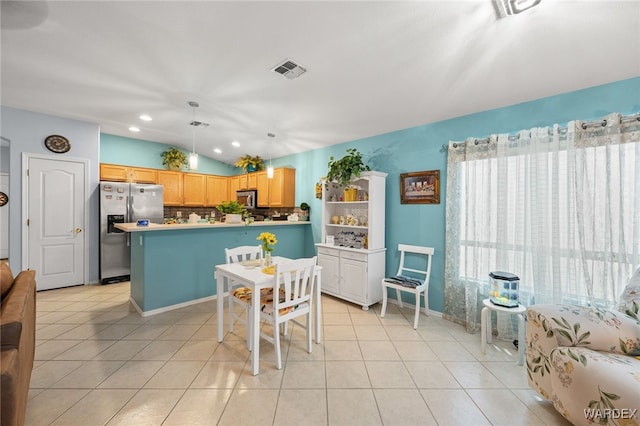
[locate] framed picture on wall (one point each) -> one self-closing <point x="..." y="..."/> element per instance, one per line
<point x="420" y="187"/>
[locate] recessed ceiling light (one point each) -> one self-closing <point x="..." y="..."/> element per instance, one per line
<point x="134" y="129"/>
<point x="235" y="143"/>
<point x="217" y="151"/>
<point x="145" y="117"/>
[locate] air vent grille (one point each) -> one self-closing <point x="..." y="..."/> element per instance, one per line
<point x="289" y="69"/>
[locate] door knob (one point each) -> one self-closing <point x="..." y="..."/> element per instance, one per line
<point x="78" y="230"/>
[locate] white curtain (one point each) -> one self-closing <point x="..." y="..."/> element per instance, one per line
<point x="559" y="207"/>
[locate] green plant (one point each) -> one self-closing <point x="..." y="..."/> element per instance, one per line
<point x="304" y="207"/>
<point x="249" y="162"/>
<point x="173" y="158"/>
<point x="341" y="171"/>
<point x="231" y="207"/>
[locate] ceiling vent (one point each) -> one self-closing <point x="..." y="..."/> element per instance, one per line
<point x="513" y="7"/>
<point x="289" y="69"/>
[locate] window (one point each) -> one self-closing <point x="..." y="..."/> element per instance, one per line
<point x="560" y="209"/>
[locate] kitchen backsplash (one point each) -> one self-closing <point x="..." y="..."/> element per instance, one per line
<point x="172" y="212"/>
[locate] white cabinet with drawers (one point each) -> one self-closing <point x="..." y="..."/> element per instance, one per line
<point x="353" y="265"/>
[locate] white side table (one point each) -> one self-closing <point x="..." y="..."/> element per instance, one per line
<point x="485" y="325"/>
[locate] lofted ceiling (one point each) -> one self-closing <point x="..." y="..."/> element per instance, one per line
<point x="372" y="67"/>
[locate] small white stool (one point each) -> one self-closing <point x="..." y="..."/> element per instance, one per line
<point x="485" y="325"/>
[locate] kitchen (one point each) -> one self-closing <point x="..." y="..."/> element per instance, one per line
<point x="183" y="201"/>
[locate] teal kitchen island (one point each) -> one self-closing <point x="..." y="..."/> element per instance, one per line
<point x="173" y="265"/>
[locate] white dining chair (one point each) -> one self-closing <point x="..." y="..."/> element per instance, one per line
<point x="410" y="280"/>
<point x="234" y="255"/>
<point x="294" y="283"/>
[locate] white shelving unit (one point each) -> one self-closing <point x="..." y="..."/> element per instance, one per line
<point x="354" y="264"/>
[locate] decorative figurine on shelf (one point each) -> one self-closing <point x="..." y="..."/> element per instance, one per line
<point x="268" y="241"/>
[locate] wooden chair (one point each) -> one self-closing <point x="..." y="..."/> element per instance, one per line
<point x="416" y="282"/>
<point x="241" y="254"/>
<point x="294" y="282"/>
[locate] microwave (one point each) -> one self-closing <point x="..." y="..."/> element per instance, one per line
<point x="248" y="197"/>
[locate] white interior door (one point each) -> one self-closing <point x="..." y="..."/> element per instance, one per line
<point x="4" y="218"/>
<point x="56" y="239"/>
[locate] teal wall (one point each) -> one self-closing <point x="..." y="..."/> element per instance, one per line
<point x="141" y="153"/>
<point x="419" y="148"/>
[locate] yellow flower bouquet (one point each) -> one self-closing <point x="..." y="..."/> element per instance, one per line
<point x="268" y="241"/>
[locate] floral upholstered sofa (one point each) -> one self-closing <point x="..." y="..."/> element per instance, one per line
<point x="586" y="361"/>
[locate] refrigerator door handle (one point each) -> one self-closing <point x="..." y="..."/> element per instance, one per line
<point x="129" y="214"/>
<point x="129" y="208"/>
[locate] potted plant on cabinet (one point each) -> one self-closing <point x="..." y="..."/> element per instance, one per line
<point x="232" y="210"/>
<point x="304" y="211"/>
<point x="174" y="159"/>
<point x="343" y="170"/>
<point x="250" y="163"/>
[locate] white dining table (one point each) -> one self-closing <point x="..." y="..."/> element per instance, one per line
<point x="255" y="279"/>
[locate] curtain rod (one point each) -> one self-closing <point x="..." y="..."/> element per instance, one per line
<point x="599" y="123"/>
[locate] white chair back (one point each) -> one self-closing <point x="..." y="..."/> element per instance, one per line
<point x="295" y="279"/>
<point x="406" y="248"/>
<point x="243" y="253"/>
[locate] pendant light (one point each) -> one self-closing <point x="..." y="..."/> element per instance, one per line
<point x="193" y="157"/>
<point x="270" y="168"/>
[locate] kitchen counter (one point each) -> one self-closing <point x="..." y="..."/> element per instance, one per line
<point x="173" y="265"/>
<point x="132" y="227"/>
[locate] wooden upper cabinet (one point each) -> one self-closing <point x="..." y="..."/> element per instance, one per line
<point x="118" y="173"/>
<point x="283" y="188"/>
<point x="262" y="185"/>
<point x="113" y="173"/>
<point x="173" y="187"/>
<point x="279" y="191"/>
<point x="217" y="190"/>
<point x="234" y="185"/>
<point x="194" y="189"/>
<point x="247" y="180"/>
<point x="144" y="175"/>
<point x="201" y="190"/>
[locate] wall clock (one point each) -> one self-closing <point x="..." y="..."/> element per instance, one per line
<point x="4" y="199"/>
<point x="58" y="144"/>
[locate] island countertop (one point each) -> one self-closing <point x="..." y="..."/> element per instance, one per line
<point x="133" y="227"/>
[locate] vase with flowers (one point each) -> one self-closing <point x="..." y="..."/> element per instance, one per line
<point x="268" y="241"/>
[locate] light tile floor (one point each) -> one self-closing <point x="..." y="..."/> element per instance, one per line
<point x="98" y="362"/>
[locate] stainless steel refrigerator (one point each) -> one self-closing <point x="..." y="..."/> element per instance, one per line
<point x="123" y="203"/>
